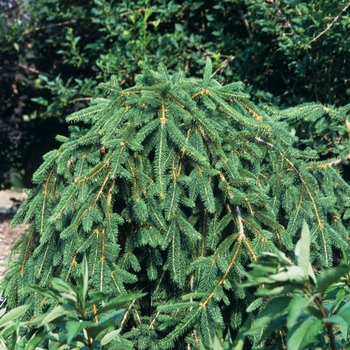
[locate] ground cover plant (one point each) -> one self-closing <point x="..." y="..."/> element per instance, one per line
<point x="72" y="321"/>
<point x="314" y="308"/>
<point x="172" y="187"/>
<point x="299" y="308"/>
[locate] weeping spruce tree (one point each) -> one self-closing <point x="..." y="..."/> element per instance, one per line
<point x="172" y="187"/>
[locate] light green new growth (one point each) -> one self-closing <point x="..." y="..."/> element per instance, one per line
<point x="172" y="187"/>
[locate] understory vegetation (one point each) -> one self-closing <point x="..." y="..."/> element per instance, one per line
<point x="198" y="203"/>
<point x="172" y="187"/>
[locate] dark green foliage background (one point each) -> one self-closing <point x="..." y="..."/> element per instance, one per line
<point x="54" y="53"/>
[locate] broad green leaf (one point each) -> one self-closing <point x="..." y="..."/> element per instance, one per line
<point x="254" y="280"/>
<point x="337" y="320"/>
<point x="272" y="310"/>
<point x="61" y="285"/>
<point x="34" y="341"/>
<point x="95" y="331"/>
<point x="75" y="327"/>
<point x="13" y="314"/>
<point x="315" y="312"/>
<point x="278" y="323"/>
<point x="268" y="260"/>
<point x="85" y="274"/>
<point x="216" y="345"/>
<point x="296" y="307"/>
<point x="58" y="311"/>
<point x="344" y="312"/>
<point x="37" y="320"/>
<point x="70" y="298"/>
<point x="268" y="291"/>
<point x="302" y="252"/>
<point x="283" y="259"/>
<point x="96" y="299"/>
<point x="47" y="292"/>
<point x="346" y="214"/>
<point x="294" y="274"/>
<point x="118" y="302"/>
<point x="15" y="342"/>
<point x="10" y="333"/>
<point x="344" y="330"/>
<point x="238" y="342"/>
<point x="61" y="338"/>
<point x="328" y="277"/>
<point x="255" y="304"/>
<point x="302" y="248"/>
<point x="303" y="333"/>
<point x="110" y="336"/>
<point x="341" y="295"/>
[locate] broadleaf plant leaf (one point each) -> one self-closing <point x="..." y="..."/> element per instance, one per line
<point x="74" y="328"/>
<point x="118" y="302"/>
<point x="344" y="312"/>
<point x="328" y="277"/>
<point x="296" y="307"/>
<point x="238" y="342"/>
<point x="303" y="333"/>
<point x="273" y="309"/>
<point x="302" y="252"/>
<point x="57" y="312"/>
<point x="13" y="314"/>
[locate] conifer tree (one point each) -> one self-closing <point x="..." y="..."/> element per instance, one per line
<point x="172" y="187"/>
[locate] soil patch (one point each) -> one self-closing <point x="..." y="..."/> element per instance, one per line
<point x="9" y="201"/>
<point x="8" y="236"/>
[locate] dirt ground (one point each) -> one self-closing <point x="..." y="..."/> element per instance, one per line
<point x="9" y="200"/>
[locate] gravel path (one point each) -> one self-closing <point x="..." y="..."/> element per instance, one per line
<point x="8" y="235"/>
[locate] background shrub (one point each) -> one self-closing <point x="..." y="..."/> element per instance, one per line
<point x="54" y="53"/>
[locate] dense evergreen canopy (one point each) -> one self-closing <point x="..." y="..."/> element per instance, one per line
<point x="172" y="187"/>
<point x="167" y="184"/>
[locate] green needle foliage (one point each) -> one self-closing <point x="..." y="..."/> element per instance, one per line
<point x="173" y="187"/>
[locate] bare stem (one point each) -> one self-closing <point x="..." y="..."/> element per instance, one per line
<point x="328" y="325"/>
<point x="334" y="20"/>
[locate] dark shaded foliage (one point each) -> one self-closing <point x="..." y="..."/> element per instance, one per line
<point x="55" y="52"/>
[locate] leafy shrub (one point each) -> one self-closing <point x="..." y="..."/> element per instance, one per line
<point x="54" y="54"/>
<point x="308" y="305"/>
<point x="9" y="329"/>
<point x="71" y="322"/>
<point x="299" y="309"/>
<point x="172" y="187"/>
